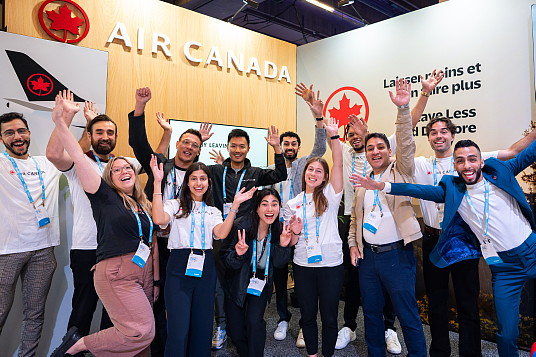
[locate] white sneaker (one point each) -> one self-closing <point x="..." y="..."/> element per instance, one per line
<point x="391" y="340"/>
<point x="344" y="337"/>
<point x="219" y="338"/>
<point x="280" y="332"/>
<point x="300" y="342"/>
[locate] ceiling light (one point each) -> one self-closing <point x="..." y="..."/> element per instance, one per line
<point x="322" y="5"/>
<point x="345" y="3"/>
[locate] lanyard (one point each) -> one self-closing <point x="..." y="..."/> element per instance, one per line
<point x="23" y="182"/>
<point x="192" y="227"/>
<point x="376" y="196"/>
<point x="254" y="261"/>
<point x="485" y="218"/>
<point x="290" y="193"/>
<point x="364" y="165"/>
<point x="174" y="193"/>
<point x="305" y="224"/>
<point x="237" y="187"/>
<point x="97" y="159"/>
<point x="140" y="232"/>
<point x="434" y="169"/>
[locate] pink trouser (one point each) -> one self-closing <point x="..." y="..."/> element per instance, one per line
<point x="126" y="291"/>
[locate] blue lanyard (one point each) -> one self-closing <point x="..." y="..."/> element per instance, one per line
<point x="23" y="182"/>
<point x="254" y="260"/>
<point x="140" y="232"/>
<point x="237" y="187"/>
<point x="290" y="193"/>
<point x="97" y="159"/>
<point x="174" y="193"/>
<point x="192" y="227"/>
<point x="305" y="224"/>
<point x="364" y="165"/>
<point x="376" y="196"/>
<point x="434" y="169"/>
<point x="486" y="207"/>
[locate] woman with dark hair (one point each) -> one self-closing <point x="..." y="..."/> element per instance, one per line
<point x="191" y="271"/>
<point x="257" y="243"/>
<point x="317" y="262"/>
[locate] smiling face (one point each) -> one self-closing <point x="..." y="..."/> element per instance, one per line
<point x="378" y="154"/>
<point x="238" y="149"/>
<point x="188" y="148"/>
<point x="123" y="176"/>
<point x="314" y="176"/>
<point x="16" y="138"/>
<point x="468" y="163"/>
<point x="356" y="140"/>
<point x="268" y="209"/>
<point x="198" y="183"/>
<point x="440" y="137"/>
<point x="103" y="137"/>
<point x="290" y="147"/>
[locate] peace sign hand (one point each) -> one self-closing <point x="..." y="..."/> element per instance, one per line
<point x="241" y="247"/>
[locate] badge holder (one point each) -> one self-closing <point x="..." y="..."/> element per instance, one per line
<point x="256" y="286"/>
<point x="489" y="253"/>
<point x="142" y="254"/>
<point x="42" y="216"/>
<point x="314" y="252"/>
<point x="440" y="214"/>
<point x="195" y="264"/>
<point x="373" y="221"/>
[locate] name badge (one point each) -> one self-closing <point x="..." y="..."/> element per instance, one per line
<point x="142" y="254"/>
<point x="440" y="214"/>
<point x="489" y="253"/>
<point x="256" y="286"/>
<point x="226" y="209"/>
<point x="373" y="221"/>
<point x="195" y="265"/>
<point x="314" y="253"/>
<point x="42" y="217"/>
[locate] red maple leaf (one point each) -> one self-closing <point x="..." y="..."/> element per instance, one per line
<point x="344" y="111"/>
<point x="40" y="84"/>
<point x="63" y="20"/>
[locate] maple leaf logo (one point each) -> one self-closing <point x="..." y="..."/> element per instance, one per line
<point x="40" y="84"/>
<point x="339" y="103"/>
<point x="63" y="20"/>
<point x="344" y="111"/>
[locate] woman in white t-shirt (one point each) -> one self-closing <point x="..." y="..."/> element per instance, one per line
<point x="317" y="264"/>
<point x="191" y="271"/>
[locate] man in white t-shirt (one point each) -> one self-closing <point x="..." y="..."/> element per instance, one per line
<point x="29" y="187"/>
<point x="101" y="134"/>
<point x="464" y="274"/>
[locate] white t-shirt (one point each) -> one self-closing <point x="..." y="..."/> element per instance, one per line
<point x="19" y="231"/>
<point x="507" y="227"/>
<point x="173" y="189"/>
<point x="388" y="230"/>
<point x="356" y="162"/>
<point x="432" y="212"/>
<point x="329" y="239"/>
<point x="84" y="235"/>
<point x="179" y="235"/>
<point x="285" y="186"/>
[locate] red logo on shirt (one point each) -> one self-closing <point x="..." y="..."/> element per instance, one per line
<point x="12" y="172"/>
<point x="346" y="101"/>
<point x="429" y="173"/>
<point x="298" y="206"/>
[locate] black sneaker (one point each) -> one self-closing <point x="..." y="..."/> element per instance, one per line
<point x="67" y="342"/>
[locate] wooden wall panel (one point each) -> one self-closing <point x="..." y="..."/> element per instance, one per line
<point x="180" y="90"/>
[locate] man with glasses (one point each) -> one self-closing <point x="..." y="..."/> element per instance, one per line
<point x="29" y="187"/>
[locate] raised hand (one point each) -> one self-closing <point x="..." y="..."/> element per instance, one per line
<point x="69" y="106"/>
<point x="241" y="247"/>
<point x="429" y="84"/>
<point x="317" y="105"/>
<point x="332" y="127"/>
<point x="366" y="182"/>
<point x="306" y="93"/>
<point x="244" y="195"/>
<point x="358" y="124"/>
<point x="205" y="130"/>
<point x="162" y="121"/>
<point x="403" y="93"/>
<point x="286" y="236"/>
<point x="157" y="168"/>
<point x="143" y="95"/>
<point x="90" y="111"/>
<point x="57" y="111"/>
<point x="295" y="225"/>
<point x="217" y="156"/>
<point x="273" y="137"/>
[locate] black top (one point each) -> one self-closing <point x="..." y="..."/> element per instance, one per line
<point x="117" y="228"/>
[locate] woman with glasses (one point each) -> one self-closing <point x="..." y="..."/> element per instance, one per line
<point x="191" y="271"/>
<point x="125" y="253"/>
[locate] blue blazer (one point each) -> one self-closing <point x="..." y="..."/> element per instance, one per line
<point x="457" y="242"/>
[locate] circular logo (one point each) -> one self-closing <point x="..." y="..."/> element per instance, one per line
<point x="39" y="84"/>
<point x="344" y="102"/>
<point x="64" y="20"/>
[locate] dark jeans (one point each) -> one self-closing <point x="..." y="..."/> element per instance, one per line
<point x="190" y="306"/>
<point x="159" y="307"/>
<point x="465" y="280"/>
<point x="319" y="288"/>
<point x="281" y="294"/>
<point x="246" y="325"/>
<point x="85" y="297"/>
<point x="392" y="272"/>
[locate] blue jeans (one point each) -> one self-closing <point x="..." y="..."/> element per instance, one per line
<point x="392" y="272"/>
<point x="508" y="278"/>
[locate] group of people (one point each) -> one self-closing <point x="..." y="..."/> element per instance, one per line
<point x="216" y="238"/>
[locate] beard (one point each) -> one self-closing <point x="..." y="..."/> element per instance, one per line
<point x="290" y="155"/>
<point x="359" y="148"/>
<point x="10" y="148"/>
<point x="102" y="149"/>
<point x="477" y="177"/>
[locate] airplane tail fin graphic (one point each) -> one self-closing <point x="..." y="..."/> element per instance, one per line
<point x="38" y="84"/>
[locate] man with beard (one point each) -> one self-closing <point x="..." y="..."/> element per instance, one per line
<point x="29" y="187"/>
<point x="486" y="214"/>
<point x="101" y="132"/>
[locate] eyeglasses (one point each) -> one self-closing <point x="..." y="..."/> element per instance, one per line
<point x="187" y="142"/>
<point x="11" y="133"/>
<point x="126" y="168"/>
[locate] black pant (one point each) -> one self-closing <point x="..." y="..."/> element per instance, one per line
<point x="85" y="298"/>
<point x="246" y="325"/>
<point x="466" y="284"/>
<point x="319" y="288"/>
<point x="159" y="307"/>
<point x="281" y="294"/>
<point x="352" y="295"/>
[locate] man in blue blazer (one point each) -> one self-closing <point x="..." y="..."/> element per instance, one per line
<point x="486" y="214"/>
